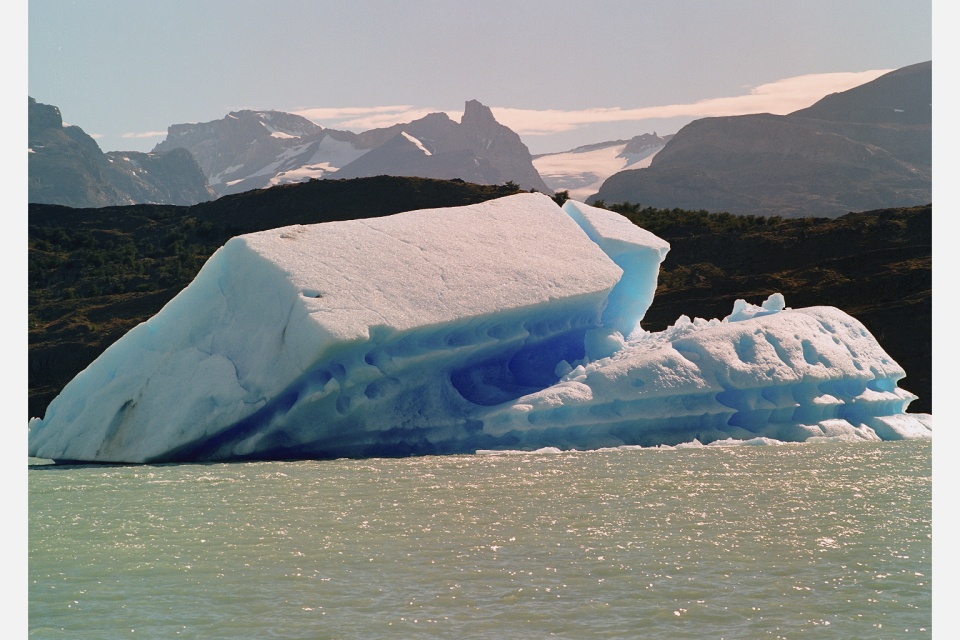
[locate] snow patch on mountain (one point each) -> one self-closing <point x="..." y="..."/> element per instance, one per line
<point x="419" y="144"/>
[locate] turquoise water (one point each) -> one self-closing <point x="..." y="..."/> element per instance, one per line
<point x="813" y="540"/>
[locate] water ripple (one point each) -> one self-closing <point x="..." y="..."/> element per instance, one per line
<point x="813" y="539"/>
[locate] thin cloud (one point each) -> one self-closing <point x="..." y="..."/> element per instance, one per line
<point x="144" y="134"/>
<point x="342" y="113"/>
<point x="364" y="118"/>
<point x="780" y="97"/>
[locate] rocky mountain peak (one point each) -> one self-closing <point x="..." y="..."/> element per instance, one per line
<point x="436" y="117"/>
<point x="477" y="114"/>
<point x="42" y="116"/>
<point x="644" y="141"/>
<point x="477" y="149"/>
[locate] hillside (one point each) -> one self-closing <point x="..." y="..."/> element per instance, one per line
<point x="66" y="166"/>
<point x="96" y="273"/>
<point x="865" y="148"/>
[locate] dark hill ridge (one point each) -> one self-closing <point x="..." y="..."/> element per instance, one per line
<point x="866" y="148"/>
<point x="96" y="273"/>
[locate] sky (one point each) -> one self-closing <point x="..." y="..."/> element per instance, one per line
<point x="560" y="73"/>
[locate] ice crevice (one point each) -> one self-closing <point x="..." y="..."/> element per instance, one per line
<point x="512" y="324"/>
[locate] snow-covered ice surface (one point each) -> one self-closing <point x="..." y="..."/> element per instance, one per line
<point x="512" y="324"/>
<point x="314" y="159"/>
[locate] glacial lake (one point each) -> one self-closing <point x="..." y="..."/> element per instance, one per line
<point x="814" y="540"/>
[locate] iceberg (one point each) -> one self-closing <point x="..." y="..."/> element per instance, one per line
<point x="511" y="324"/>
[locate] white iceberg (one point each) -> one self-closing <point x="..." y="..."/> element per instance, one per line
<point x="512" y="324"/>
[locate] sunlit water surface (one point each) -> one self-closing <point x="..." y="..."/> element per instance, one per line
<point x="814" y="540"/>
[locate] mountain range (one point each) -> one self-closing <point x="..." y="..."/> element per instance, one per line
<point x="256" y="149"/>
<point x="865" y="148"/>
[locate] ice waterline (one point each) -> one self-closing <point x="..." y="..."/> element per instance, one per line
<point x="512" y="324"/>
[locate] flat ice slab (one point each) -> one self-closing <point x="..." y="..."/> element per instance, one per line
<point x="508" y="324"/>
<point x="333" y="302"/>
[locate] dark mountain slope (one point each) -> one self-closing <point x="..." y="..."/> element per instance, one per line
<point x="866" y="148"/>
<point x="66" y="166"/>
<point x="899" y="97"/>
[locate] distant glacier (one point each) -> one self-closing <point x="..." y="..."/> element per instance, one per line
<point x="582" y="171"/>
